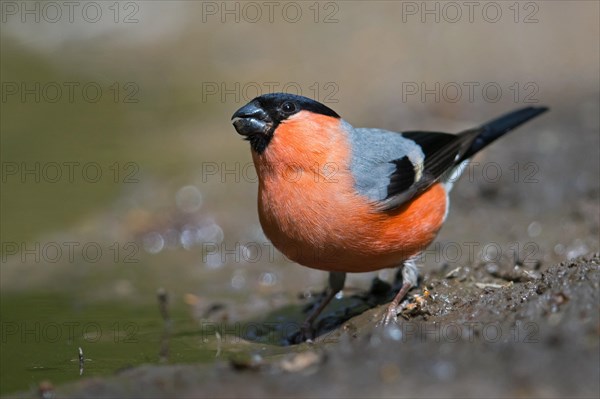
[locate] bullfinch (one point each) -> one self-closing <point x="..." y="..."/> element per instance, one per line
<point x="349" y="200"/>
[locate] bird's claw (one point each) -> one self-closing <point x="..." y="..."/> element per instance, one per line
<point x="390" y="315"/>
<point x="306" y="331"/>
<point x="305" y="334"/>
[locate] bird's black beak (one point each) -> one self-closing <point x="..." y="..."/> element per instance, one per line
<point x="251" y="120"/>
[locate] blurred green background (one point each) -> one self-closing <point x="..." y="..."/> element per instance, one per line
<point x="175" y="175"/>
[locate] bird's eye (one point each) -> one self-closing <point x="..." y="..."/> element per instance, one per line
<point x="288" y="107"/>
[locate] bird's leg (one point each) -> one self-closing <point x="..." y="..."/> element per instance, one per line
<point x="410" y="276"/>
<point x="336" y="284"/>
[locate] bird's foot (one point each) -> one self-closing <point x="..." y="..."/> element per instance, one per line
<point x="390" y="315"/>
<point x="305" y="334"/>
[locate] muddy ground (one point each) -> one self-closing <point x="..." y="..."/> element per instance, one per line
<point x="485" y="331"/>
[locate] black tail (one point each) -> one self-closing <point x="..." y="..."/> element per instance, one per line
<point x="496" y="128"/>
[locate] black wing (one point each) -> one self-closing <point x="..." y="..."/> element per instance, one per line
<point x="443" y="152"/>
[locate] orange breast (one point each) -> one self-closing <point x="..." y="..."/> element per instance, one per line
<point x="309" y="209"/>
